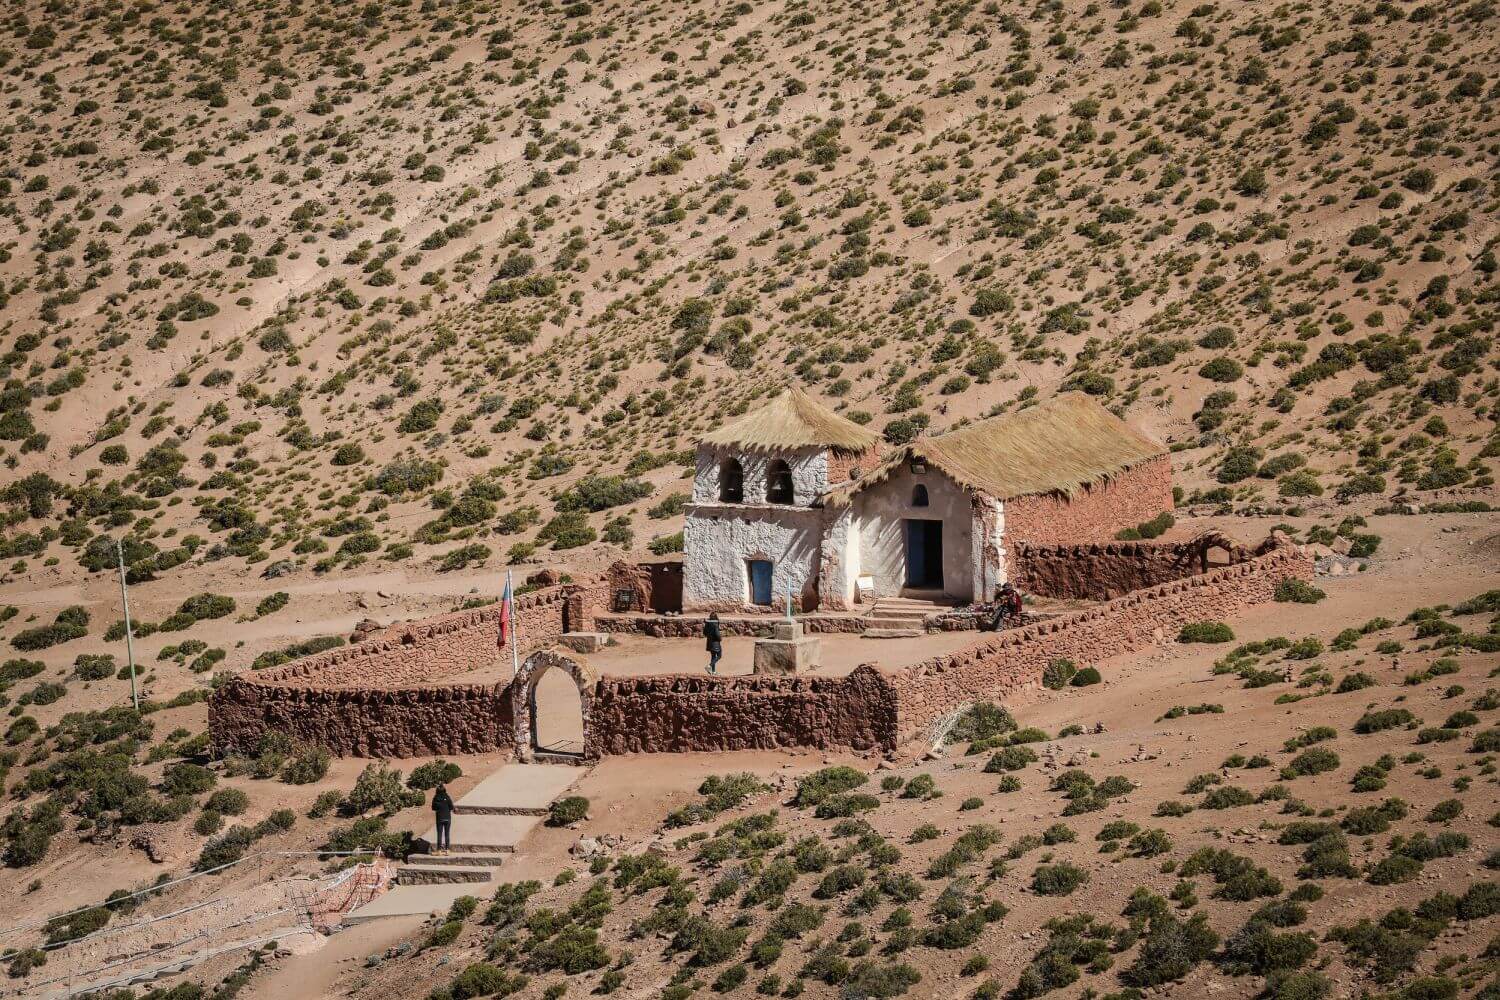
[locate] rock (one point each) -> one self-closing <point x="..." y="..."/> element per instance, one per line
<point x="366" y="628"/>
<point x="148" y="842"/>
<point x="587" y="847"/>
<point x="1342" y="545"/>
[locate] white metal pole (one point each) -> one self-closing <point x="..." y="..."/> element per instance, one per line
<point x="135" y="698"/>
<point x="515" y="662"/>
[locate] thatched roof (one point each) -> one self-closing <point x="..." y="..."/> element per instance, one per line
<point x="1054" y="447"/>
<point x="793" y="420"/>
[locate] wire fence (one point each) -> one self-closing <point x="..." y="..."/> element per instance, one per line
<point x="185" y="936"/>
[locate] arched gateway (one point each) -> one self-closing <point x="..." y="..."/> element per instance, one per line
<point x="524" y="710"/>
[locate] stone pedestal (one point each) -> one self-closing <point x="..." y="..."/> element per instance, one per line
<point x="788" y="651"/>
<point x="583" y="642"/>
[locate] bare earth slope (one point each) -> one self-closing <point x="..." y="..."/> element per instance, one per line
<point x="315" y="286"/>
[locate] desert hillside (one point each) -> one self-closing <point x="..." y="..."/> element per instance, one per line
<point x="304" y="287"/>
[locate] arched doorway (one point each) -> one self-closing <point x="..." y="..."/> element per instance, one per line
<point x="550" y="702"/>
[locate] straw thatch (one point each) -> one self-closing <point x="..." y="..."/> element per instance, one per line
<point x="1054" y="447"/>
<point x="793" y="420"/>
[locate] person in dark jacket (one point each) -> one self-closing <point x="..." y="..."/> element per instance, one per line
<point x="713" y="641"/>
<point x="442" y="811"/>
<point x="1007" y="607"/>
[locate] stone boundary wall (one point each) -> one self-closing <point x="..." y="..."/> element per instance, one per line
<point x="677" y="713"/>
<point x="1014" y="659"/>
<point x="369" y="699"/>
<point x="1104" y="571"/>
<point x="1096" y="511"/>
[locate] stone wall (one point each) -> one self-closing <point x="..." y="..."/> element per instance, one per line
<point x="1012" y="660"/>
<point x="374" y="699"/>
<point x="680" y="713"/>
<point x="364" y="722"/>
<point x="1095" y="512"/>
<point x="371" y="701"/>
<point x="1102" y="571"/>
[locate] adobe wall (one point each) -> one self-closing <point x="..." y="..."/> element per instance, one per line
<point x="678" y="713"/>
<point x="1014" y="659"/>
<point x="1095" y="512"/>
<point x="1102" y="571"/>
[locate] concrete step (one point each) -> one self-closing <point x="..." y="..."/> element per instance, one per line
<point x="894" y="621"/>
<point x="517" y="790"/>
<point x="893" y="633"/>
<point x="435" y="874"/>
<point x="486" y="834"/>
<point x="469" y="859"/>
<point x="408" y="900"/>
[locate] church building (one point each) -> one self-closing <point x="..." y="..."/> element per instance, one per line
<point x="793" y="500"/>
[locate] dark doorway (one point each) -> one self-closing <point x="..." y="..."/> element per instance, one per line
<point x="779" y="483"/>
<point x="924" y="554"/>
<point x="760" y="582"/>
<point x="666" y="587"/>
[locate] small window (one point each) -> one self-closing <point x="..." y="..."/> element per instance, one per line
<point x="731" y="482"/>
<point x="919" y="496"/>
<point x="779" y="483"/>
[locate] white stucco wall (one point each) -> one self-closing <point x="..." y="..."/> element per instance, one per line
<point x="989" y="569"/>
<point x="719" y="541"/>
<point x="840" y="568"/>
<point x="880" y="511"/>
<point x="809" y="473"/>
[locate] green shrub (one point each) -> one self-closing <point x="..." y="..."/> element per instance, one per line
<point x="272" y="603"/>
<point x="981" y="721"/>
<point x="1295" y="591"/>
<point x="1057" y="673"/>
<point x="228" y="801"/>
<point x="813" y="788"/>
<point x="1059" y="879"/>
<point x="1086" y="677"/>
<point x="1205" y="632"/>
<point x="433" y="773"/>
<point x="568" y="810"/>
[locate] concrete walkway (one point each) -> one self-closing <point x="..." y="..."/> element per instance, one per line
<point x="489" y="822"/>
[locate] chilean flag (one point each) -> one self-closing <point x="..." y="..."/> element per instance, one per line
<point x="505" y="610"/>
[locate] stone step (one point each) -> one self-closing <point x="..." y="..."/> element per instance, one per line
<point x="893" y="633"/>
<point x="435" y="874"/>
<point x="462" y="809"/>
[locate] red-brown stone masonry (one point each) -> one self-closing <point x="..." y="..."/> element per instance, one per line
<point x="870" y="707"/>
<point x="1102" y="571"/>
<point x="1095" y="513"/>
<point x="840" y="464"/>
<point x="1013" y="660"/>
<point x="676" y="714"/>
<point x="368" y="700"/>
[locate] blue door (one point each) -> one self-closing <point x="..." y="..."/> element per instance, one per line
<point x="760" y="582"/>
<point x="924" y="554"/>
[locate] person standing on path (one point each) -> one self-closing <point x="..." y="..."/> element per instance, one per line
<point x="713" y="640"/>
<point x="442" y="811"/>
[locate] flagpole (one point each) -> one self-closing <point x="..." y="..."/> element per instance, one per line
<point x="515" y="663"/>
